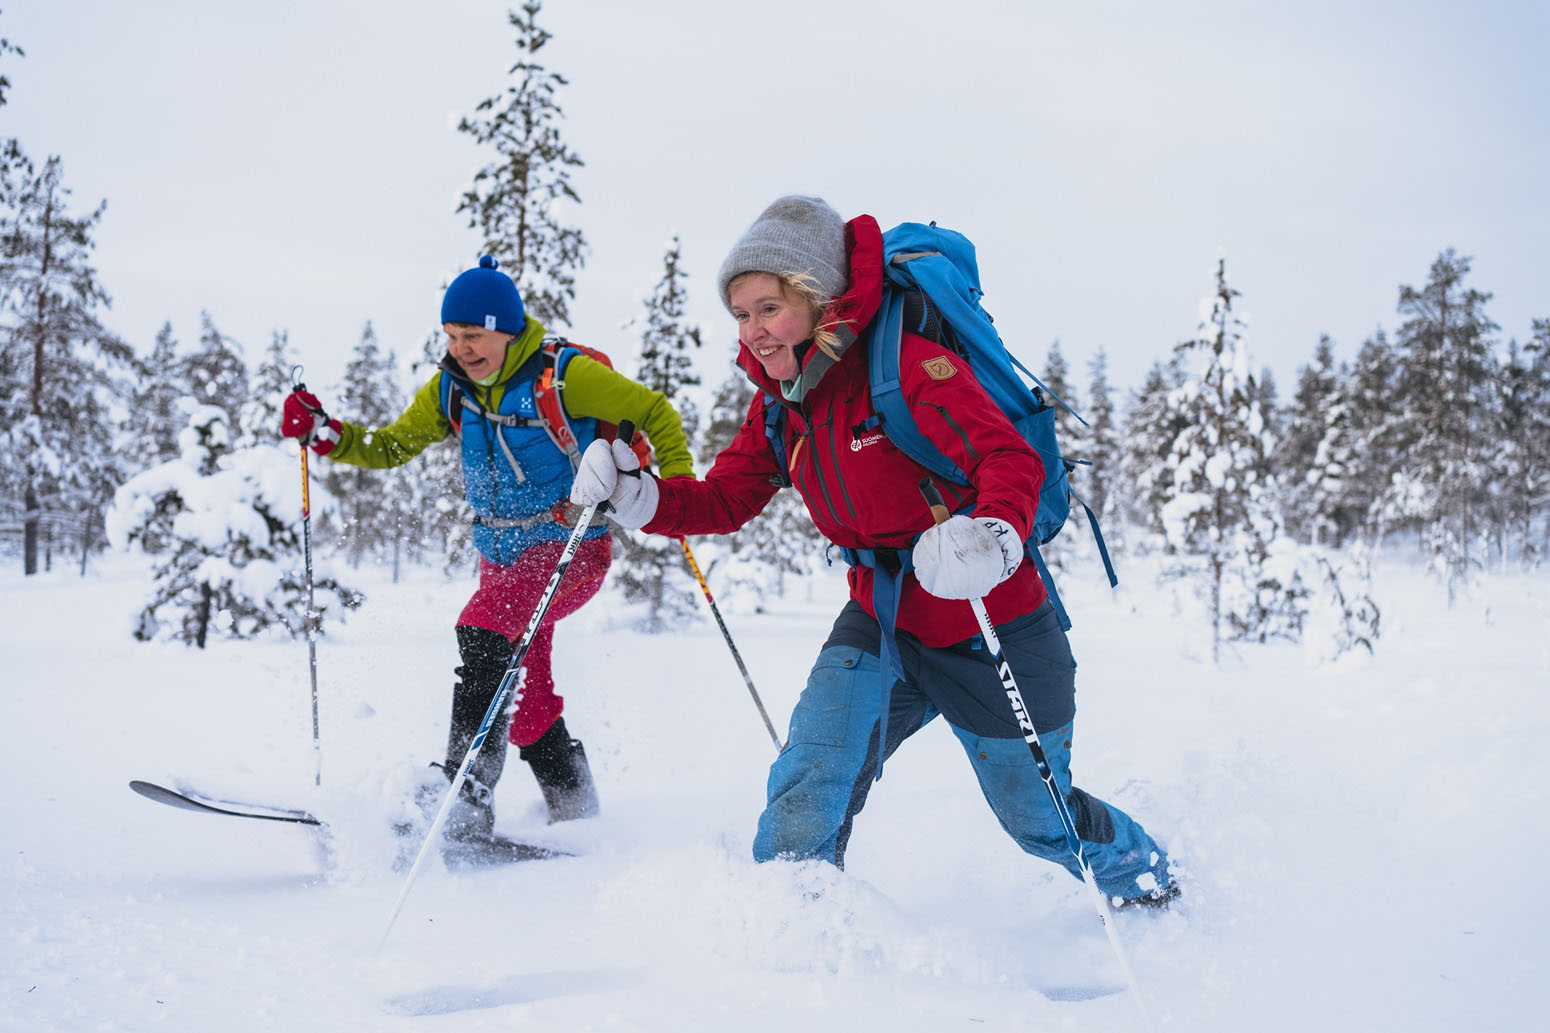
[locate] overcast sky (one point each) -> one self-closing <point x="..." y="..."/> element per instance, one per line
<point x="293" y="164"/>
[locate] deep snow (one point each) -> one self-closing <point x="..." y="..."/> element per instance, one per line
<point x="1360" y="842"/>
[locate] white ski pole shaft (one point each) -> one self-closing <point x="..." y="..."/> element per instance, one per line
<point x="497" y="707"/>
<point x="940" y="513"/>
<point x="498" y="703"/>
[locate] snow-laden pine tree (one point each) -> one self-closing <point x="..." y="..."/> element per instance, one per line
<point x="1220" y="519"/>
<point x="1151" y="426"/>
<point x="436" y="521"/>
<point x="217" y="374"/>
<point x="231" y="562"/>
<point x="1445" y="413"/>
<point x="782" y="543"/>
<point x="652" y="569"/>
<point x="13" y="160"/>
<point x="158" y="416"/>
<point x="1096" y="483"/>
<point x="519" y="201"/>
<point x="1296" y="457"/>
<point x="1521" y="488"/>
<point x="62" y="373"/>
<point x="1319" y="497"/>
<point x="1374" y="436"/>
<point x="259" y="414"/>
<point x="1070" y="436"/>
<point x="1057" y="377"/>
<point x="369" y="501"/>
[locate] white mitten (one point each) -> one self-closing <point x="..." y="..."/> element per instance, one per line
<point x="596" y="477"/>
<point x="965" y="557"/>
<point x="633" y="501"/>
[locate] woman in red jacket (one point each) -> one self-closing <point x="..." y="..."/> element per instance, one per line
<point x="803" y="286"/>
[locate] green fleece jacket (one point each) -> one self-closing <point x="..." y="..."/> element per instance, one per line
<point x="591" y="389"/>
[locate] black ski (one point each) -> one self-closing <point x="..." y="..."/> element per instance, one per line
<point x="191" y="801"/>
<point x="497" y="850"/>
<point x="463" y="853"/>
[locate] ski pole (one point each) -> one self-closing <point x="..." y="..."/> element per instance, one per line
<point x="312" y="613"/>
<point x="498" y="703"/>
<point x="716" y="612"/>
<point x="940" y="513"/>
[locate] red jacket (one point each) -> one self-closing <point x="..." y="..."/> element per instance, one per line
<point x="860" y="490"/>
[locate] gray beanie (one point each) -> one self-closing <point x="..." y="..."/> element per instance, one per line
<point x="796" y="234"/>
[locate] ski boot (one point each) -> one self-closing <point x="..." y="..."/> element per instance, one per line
<point x="559" y="764"/>
<point x="1153" y="900"/>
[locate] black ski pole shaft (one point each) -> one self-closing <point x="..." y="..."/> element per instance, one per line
<point x="716" y="612"/>
<point x="940" y="513"/>
<point x="498" y="702"/>
<point x="312" y="613"/>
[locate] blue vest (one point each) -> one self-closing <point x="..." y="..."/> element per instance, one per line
<point x="515" y="477"/>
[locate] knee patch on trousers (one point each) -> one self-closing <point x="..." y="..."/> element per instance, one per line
<point x="1093" y="822"/>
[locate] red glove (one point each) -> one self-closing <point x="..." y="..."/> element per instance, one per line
<point x="303" y="417"/>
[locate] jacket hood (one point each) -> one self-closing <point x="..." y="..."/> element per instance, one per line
<point x="847" y="314"/>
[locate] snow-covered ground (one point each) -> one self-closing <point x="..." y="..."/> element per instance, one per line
<point x="1360" y="841"/>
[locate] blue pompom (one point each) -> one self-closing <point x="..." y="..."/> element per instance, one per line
<point x="488" y="262"/>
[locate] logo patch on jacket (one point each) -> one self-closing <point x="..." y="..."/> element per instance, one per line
<point x="939" y="368"/>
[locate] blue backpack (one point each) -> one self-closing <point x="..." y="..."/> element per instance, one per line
<point x="932" y="289"/>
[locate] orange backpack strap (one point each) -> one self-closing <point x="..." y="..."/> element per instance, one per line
<point x="546" y="395"/>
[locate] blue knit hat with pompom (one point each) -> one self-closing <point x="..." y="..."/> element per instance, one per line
<point x="485" y="297"/>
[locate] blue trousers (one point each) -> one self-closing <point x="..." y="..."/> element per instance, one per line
<point x="820" y="781"/>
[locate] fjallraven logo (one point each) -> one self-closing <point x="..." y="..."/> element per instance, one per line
<point x="939" y="368"/>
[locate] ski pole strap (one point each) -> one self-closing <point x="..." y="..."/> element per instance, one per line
<point x="1103" y="550"/>
<point x="1049" y="586"/>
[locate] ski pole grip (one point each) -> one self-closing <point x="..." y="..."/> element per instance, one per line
<point x="627" y="435"/>
<point x="939" y="510"/>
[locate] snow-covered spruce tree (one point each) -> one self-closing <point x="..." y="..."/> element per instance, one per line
<point x="158" y="416"/>
<point x="13" y="161"/>
<point x="217" y="374"/>
<point x="1070" y="435"/>
<point x="369" y="503"/>
<point x="1296" y="456"/>
<point x="1220" y="519"/>
<point x="61" y="371"/>
<point x="1269" y="402"/>
<point x="651" y="569"/>
<point x="232" y="564"/>
<point x="259" y="414"/>
<point x="436" y="520"/>
<point x="1521" y="488"/>
<point x="1057" y="377"/>
<point x="1445" y="412"/>
<point x="758" y="561"/>
<point x="518" y="201"/>
<point x="1374" y="434"/>
<point x="1101" y="448"/>
<point x="1150" y="428"/>
<point x="1327" y="482"/>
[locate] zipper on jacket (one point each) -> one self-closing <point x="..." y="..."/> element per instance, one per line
<point x="952" y="425"/>
<point x="834" y="455"/>
<point x="812" y="450"/>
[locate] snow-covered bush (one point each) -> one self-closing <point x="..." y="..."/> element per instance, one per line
<point x="225" y="525"/>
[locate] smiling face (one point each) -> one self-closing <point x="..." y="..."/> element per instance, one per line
<point x="479" y="351"/>
<point x="771" y="321"/>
